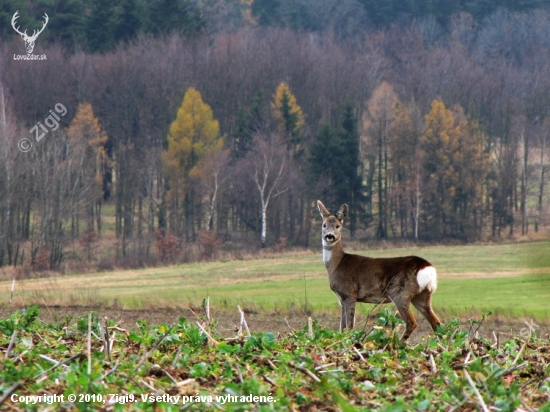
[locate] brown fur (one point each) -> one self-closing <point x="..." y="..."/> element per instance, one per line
<point x="355" y="278"/>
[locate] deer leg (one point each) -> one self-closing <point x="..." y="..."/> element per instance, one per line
<point x="423" y="303"/>
<point x="348" y="313"/>
<point x="343" y="319"/>
<point x="403" y="306"/>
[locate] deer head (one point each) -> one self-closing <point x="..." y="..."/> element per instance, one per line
<point x="332" y="224"/>
<point x="29" y="40"/>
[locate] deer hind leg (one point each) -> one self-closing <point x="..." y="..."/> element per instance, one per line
<point x="403" y="306"/>
<point x="423" y="303"/>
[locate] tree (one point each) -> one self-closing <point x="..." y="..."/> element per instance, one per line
<point x="289" y="116"/>
<point x="350" y="179"/>
<point x="87" y="137"/>
<point x="456" y="166"/>
<point x="69" y="23"/>
<point x="405" y="161"/>
<point x="334" y="164"/>
<point x="249" y="122"/>
<point x="267" y="164"/>
<point x="193" y="136"/>
<point x="100" y="24"/>
<point x="166" y="16"/>
<point x="266" y="11"/>
<point x="439" y="143"/>
<point x="14" y="185"/>
<point x="131" y="20"/>
<point x="211" y="176"/>
<point x="381" y="115"/>
<point x="290" y="122"/>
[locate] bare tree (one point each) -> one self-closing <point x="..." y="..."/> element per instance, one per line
<point x="211" y="176"/>
<point x="267" y="164"/>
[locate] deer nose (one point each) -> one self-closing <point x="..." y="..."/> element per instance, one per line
<point x="329" y="237"/>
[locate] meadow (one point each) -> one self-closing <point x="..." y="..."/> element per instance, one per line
<point x="85" y="361"/>
<point x="509" y="279"/>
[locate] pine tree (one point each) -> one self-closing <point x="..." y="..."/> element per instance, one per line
<point x="100" y="23"/>
<point x="248" y="123"/>
<point x="334" y="164"/>
<point x="349" y="181"/>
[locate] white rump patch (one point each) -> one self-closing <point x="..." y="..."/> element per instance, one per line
<point x="427" y="278"/>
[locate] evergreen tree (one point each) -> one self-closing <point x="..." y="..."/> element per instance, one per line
<point x="102" y="18"/>
<point x="350" y="179"/>
<point x="334" y="164"/>
<point x="289" y="116"/>
<point x="249" y="122"/>
<point x="266" y="12"/>
<point x="67" y="22"/>
<point x="131" y="20"/>
<point x="166" y="16"/>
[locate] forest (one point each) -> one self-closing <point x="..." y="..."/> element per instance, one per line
<point x="169" y="130"/>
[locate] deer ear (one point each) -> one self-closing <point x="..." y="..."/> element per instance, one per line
<point x="342" y="212"/>
<point x="324" y="212"/>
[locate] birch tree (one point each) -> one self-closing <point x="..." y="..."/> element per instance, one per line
<point x="267" y="165"/>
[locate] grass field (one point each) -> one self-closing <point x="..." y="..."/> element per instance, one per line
<point x="512" y="279"/>
<point x="191" y="363"/>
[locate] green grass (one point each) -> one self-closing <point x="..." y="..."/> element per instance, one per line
<point x="520" y="286"/>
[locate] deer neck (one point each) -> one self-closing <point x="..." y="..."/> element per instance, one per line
<point x="332" y="255"/>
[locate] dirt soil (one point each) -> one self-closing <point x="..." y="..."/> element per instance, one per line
<point x="228" y="321"/>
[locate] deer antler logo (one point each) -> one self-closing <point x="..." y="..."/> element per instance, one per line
<point x="29" y="40"/>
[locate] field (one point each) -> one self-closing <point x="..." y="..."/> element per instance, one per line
<point x="93" y="364"/>
<point x="162" y="344"/>
<point x="510" y="280"/>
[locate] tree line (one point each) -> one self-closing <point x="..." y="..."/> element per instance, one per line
<point x="228" y="139"/>
<point x="100" y="25"/>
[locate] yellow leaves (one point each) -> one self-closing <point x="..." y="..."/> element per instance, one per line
<point x="440" y="125"/>
<point x="456" y="161"/>
<point x="85" y="126"/>
<point x="88" y="140"/>
<point x="193" y="136"/>
<point x="286" y="110"/>
<point x="382" y="104"/>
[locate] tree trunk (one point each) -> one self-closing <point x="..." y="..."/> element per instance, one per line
<point x="264" y="225"/>
<point x="541" y="183"/>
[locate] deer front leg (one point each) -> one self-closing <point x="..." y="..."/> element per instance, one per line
<point x="348" y="313"/>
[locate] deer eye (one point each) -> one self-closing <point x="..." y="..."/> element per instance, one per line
<point x="337" y="226"/>
<point x="324" y="225"/>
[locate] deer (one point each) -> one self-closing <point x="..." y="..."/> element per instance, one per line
<point x="29" y="40"/>
<point x="356" y="278"/>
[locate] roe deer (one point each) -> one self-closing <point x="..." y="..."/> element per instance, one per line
<point x="354" y="278"/>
